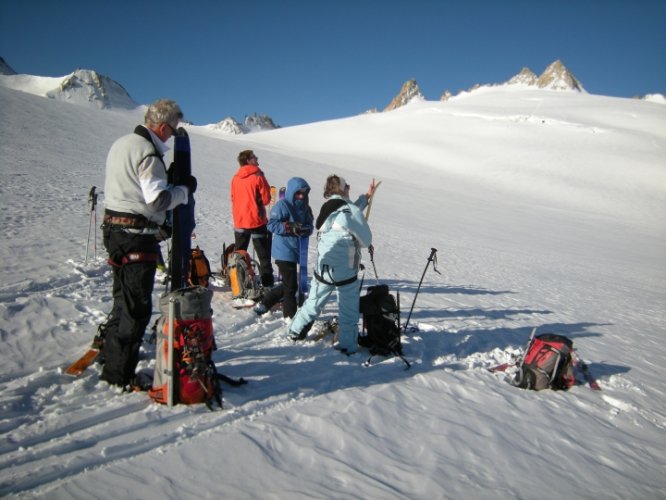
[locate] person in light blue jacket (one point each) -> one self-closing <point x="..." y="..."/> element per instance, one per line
<point x="290" y="219"/>
<point x="342" y="232"/>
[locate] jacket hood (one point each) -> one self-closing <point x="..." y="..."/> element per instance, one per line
<point x="294" y="185"/>
<point x="248" y="170"/>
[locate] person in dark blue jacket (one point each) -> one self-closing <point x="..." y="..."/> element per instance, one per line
<point x="290" y="219"/>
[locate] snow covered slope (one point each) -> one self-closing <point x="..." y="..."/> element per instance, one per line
<point x="547" y="210"/>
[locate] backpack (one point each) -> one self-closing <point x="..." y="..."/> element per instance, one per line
<point x="547" y="364"/>
<point x="226" y="253"/>
<point x="195" y="378"/>
<point x="242" y="278"/>
<point x="381" y="322"/>
<point x="199" y="268"/>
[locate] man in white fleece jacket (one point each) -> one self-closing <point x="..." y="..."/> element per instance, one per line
<point x="137" y="198"/>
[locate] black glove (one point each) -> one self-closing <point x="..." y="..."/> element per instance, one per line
<point x="295" y="228"/>
<point x="191" y="184"/>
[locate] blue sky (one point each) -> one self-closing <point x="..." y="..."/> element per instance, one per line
<point x="301" y="61"/>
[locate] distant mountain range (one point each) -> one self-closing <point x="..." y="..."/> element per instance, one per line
<point x="89" y="88"/>
<point x="555" y="77"/>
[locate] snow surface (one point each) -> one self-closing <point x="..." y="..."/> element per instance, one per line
<point x="547" y="209"/>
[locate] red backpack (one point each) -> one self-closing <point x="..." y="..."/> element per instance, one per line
<point x="195" y="378"/>
<point x="547" y="364"/>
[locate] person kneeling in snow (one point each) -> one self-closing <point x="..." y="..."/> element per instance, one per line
<point x="343" y="231"/>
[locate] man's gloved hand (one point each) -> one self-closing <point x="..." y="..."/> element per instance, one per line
<point x="191" y="184"/>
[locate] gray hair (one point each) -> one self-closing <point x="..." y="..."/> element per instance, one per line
<point x="163" y="111"/>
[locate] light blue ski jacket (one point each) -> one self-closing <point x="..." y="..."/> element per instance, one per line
<point x="341" y="236"/>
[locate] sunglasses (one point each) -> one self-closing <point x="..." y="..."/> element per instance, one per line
<point x="300" y="195"/>
<point x="173" y="130"/>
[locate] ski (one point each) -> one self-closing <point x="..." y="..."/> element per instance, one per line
<point x="234" y="382"/>
<point x="589" y="378"/>
<point x="283" y="191"/>
<point x="367" y="211"/>
<point x="500" y="368"/>
<point x="242" y="303"/>
<point x="303" y="266"/>
<point x="183" y="215"/>
<point x="83" y="363"/>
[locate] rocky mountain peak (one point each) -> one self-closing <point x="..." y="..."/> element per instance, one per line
<point x="88" y="87"/>
<point x="558" y="77"/>
<point x="409" y="91"/>
<point x="6" y="69"/>
<point x="251" y="123"/>
<point x="525" y="77"/>
<point x="255" y="123"/>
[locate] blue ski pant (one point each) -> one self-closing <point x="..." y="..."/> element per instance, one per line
<point x="348" y="310"/>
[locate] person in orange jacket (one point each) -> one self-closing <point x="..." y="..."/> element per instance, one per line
<point x="250" y="193"/>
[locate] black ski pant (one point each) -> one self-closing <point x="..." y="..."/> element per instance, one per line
<point x="133" y="284"/>
<point x="261" y="241"/>
<point x="285" y="291"/>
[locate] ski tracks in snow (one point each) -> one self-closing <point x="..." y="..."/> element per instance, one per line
<point x="103" y="425"/>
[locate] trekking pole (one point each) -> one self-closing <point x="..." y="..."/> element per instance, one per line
<point x="92" y="199"/>
<point x="371" y="251"/>
<point x="432" y="258"/>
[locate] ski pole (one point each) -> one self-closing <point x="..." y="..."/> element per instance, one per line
<point x="94" y="209"/>
<point x="432" y="258"/>
<point x="518" y="378"/>
<point x="371" y="251"/>
<point x="92" y="198"/>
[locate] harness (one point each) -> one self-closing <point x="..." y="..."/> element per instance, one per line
<point x="325" y="268"/>
<point x="121" y="220"/>
<point x="135" y="258"/>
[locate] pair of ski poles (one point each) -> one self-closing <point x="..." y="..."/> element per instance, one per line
<point x="431" y="258"/>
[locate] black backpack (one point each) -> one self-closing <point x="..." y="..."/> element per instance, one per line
<point x="381" y="323"/>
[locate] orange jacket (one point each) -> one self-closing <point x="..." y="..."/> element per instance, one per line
<point x="250" y="192"/>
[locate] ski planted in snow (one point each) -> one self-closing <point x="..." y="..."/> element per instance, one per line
<point x="303" y="266"/>
<point x="183" y="215"/>
<point x="282" y="192"/>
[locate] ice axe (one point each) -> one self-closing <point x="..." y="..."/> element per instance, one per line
<point x="432" y="258"/>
